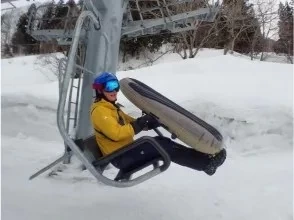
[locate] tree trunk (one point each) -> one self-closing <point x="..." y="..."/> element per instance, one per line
<point x="124" y="57"/>
<point x="227" y="48"/>
<point x="262" y="56"/>
<point x="252" y="50"/>
<point x="232" y="46"/>
<point x="289" y="57"/>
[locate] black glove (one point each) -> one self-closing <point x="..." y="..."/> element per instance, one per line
<point x="145" y="122"/>
<point x="152" y="123"/>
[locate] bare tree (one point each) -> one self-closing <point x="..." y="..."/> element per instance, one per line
<point x="188" y="43"/>
<point x="210" y="34"/>
<point x="232" y="12"/>
<point x="6" y="29"/>
<point x="267" y="14"/>
<point x="237" y="21"/>
<point x="253" y="43"/>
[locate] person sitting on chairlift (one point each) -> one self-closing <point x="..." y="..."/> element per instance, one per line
<point x="114" y="129"/>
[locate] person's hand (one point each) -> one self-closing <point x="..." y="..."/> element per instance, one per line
<point x="145" y="122"/>
<point x="148" y="122"/>
<point x="152" y="123"/>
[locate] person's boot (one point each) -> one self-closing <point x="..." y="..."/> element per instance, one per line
<point x="215" y="162"/>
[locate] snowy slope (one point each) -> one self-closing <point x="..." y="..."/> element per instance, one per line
<point x="249" y="102"/>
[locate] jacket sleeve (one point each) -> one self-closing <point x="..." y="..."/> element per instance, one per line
<point x="128" y="118"/>
<point x="109" y="126"/>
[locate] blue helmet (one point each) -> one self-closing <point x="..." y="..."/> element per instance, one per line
<point x="107" y="81"/>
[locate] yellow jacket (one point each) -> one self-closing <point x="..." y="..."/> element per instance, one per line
<point x="112" y="126"/>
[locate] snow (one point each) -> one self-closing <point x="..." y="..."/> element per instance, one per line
<point x="250" y="102"/>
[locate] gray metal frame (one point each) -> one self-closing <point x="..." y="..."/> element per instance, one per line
<point x="61" y="124"/>
<point x="174" y="24"/>
<point x="60" y="34"/>
<point x="101" y="38"/>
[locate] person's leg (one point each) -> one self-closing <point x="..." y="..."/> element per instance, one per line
<point x="184" y="156"/>
<point x="135" y="157"/>
<point x="191" y="158"/>
<point x="215" y="162"/>
<point x="178" y="153"/>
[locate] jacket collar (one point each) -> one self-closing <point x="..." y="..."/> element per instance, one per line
<point x="108" y="104"/>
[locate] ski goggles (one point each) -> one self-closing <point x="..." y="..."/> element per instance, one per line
<point x="111" y="86"/>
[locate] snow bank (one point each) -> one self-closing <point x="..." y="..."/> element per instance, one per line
<point x="249" y="102"/>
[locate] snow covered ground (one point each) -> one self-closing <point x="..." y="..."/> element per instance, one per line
<point x="251" y="103"/>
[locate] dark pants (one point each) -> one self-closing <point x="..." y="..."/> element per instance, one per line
<point x="178" y="153"/>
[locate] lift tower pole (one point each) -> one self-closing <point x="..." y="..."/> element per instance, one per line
<point x="101" y="55"/>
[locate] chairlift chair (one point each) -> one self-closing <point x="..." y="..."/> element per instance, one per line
<point x="92" y="151"/>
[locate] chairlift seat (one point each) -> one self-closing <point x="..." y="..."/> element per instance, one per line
<point x="90" y="148"/>
<point x="124" y="175"/>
